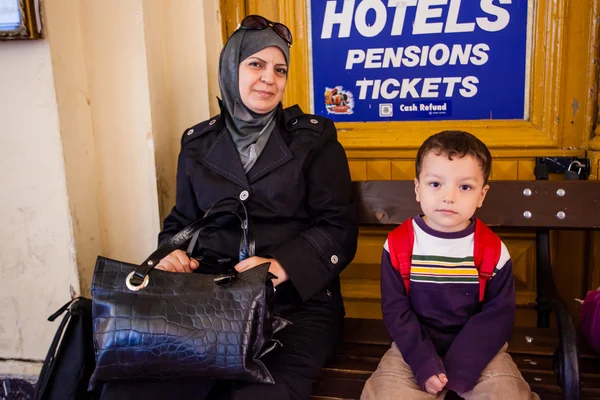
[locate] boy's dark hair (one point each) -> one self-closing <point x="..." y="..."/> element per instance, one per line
<point x="456" y="143"/>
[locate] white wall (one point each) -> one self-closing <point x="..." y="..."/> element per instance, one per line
<point x="37" y="259"/>
<point x="90" y="123"/>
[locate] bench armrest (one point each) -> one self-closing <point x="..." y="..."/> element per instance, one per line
<point x="566" y="356"/>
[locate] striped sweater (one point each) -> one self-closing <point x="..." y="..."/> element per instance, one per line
<point x="442" y="326"/>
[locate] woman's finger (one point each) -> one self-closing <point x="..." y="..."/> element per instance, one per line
<point x="176" y="264"/>
<point x="246" y="264"/>
<point x="183" y="260"/>
<point x="171" y="263"/>
<point x="177" y="261"/>
<point x="165" y="265"/>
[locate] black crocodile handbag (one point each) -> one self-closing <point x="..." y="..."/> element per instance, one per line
<point x="155" y="325"/>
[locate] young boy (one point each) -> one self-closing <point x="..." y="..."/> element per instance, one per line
<point x="444" y="337"/>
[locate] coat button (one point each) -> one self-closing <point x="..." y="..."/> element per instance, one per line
<point x="294" y="121"/>
<point x="190" y="132"/>
<point x="314" y="121"/>
<point x="211" y="123"/>
<point x="244" y="195"/>
<point x="328" y="293"/>
<point x="334" y="259"/>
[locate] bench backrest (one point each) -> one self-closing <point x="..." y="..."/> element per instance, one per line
<point x="541" y="204"/>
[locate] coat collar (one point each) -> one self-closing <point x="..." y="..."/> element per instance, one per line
<point x="275" y="154"/>
<point x="223" y="159"/>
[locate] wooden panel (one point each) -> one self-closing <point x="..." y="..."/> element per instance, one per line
<point x="232" y="12"/>
<point x="522" y="252"/>
<point x="361" y="279"/>
<point x="581" y="81"/>
<point x="370" y="244"/>
<point x="403" y="170"/>
<point x="358" y="170"/>
<point x="266" y="8"/>
<point x="594" y="157"/>
<point x="504" y="170"/>
<point x="526" y="170"/>
<point x="361" y="308"/>
<point x="526" y="316"/>
<point x="367" y="272"/>
<point x="379" y="170"/>
<point x="361" y="289"/>
<point x="297" y="89"/>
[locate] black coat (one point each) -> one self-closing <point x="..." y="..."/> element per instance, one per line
<point x="298" y="194"/>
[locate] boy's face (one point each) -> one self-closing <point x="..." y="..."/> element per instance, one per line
<point x="449" y="190"/>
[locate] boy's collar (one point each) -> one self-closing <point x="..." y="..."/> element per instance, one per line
<point x="444" y="235"/>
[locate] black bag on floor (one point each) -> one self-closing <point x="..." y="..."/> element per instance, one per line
<point x="70" y="361"/>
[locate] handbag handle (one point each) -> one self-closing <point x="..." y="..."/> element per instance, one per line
<point x="138" y="279"/>
<point x="248" y="240"/>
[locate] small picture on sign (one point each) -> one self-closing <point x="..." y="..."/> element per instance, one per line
<point x="339" y="101"/>
<point x="386" y="110"/>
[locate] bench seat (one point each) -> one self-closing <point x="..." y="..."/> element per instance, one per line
<point x="366" y="340"/>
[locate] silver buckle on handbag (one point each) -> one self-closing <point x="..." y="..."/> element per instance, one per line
<point x="133" y="287"/>
<point x="227" y="278"/>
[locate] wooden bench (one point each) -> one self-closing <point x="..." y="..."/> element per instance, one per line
<point x="555" y="361"/>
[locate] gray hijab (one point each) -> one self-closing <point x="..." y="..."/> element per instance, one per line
<point x="249" y="130"/>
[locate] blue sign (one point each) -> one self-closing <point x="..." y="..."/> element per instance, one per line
<point x="402" y="60"/>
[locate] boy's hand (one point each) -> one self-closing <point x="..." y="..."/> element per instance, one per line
<point x="436" y="383"/>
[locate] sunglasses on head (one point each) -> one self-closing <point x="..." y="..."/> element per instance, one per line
<point x="256" y="22"/>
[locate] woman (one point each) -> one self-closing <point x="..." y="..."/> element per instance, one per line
<point x="292" y="174"/>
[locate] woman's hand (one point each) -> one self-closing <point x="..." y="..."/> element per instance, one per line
<point x="275" y="268"/>
<point x="178" y="261"/>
